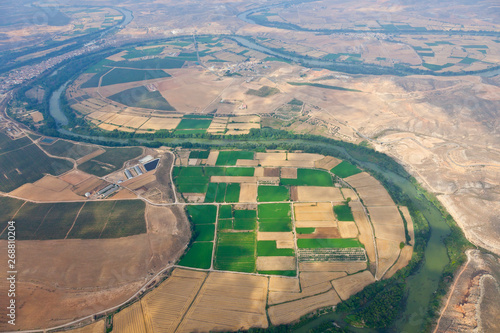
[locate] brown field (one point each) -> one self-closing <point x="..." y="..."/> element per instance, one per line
<point x="282" y="297"/>
<point x="290" y="173"/>
<point x="165" y="306"/>
<point x="375" y="196"/>
<point x="130" y="320"/>
<point x="403" y="260"/>
<point x="280" y="244"/>
<point x="387" y="222"/>
<point x="283" y="284"/>
<point x="122" y="195"/>
<point x="281" y="236"/>
<point x="266" y="158"/>
<point x="365" y="229"/>
<point x="89" y="185"/>
<point x="233" y="179"/>
<point x="108" y="127"/>
<point x="361" y="179"/>
<point x="388" y="252"/>
<point x="319" y="193"/>
<point x="309" y="279"/>
<point x="409" y="223"/>
<point x="248" y="192"/>
<point x="37" y="116"/>
<point x="245" y="119"/>
<point x="212" y="157"/>
<point x="97" y="327"/>
<point x="389" y="232"/>
<point x="352" y="284"/>
<point x="271" y="172"/>
<point x="348" y="229"/>
<point x="322" y="232"/>
<point x="283" y="163"/>
<point x="242" y="126"/>
<point x="157" y="123"/>
<point x="292" y="311"/>
<point x="314" y="215"/>
<point x="75" y="177"/>
<point x="228" y="301"/>
<point x="327" y="163"/>
<point x="49" y="188"/>
<point x="276" y="263"/>
<point x="90" y="156"/>
<point x="348" y="267"/>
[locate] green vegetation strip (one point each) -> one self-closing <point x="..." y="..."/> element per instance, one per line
<point x="272" y="193"/>
<point x="319" y="85"/>
<point x="236" y="251"/>
<point x="343" y="213"/>
<point x="202" y="214"/>
<point x="315" y="243"/>
<point x="269" y="249"/>
<point x="309" y="177"/>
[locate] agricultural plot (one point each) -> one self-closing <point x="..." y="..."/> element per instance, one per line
<point x="272" y="193"/>
<point x="274" y="217"/>
<point x="230" y="157"/>
<point x="236" y="251"/>
<point x="193" y="124"/>
<point x="8" y="208"/>
<point x="199" y="154"/>
<point x="236" y="220"/>
<point x="202" y="214"/>
<point x="68" y="149"/>
<point x="130" y="320"/>
<point x="92" y="219"/>
<point x="112" y="160"/>
<point x="191" y="179"/>
<point x="126" y="219"/>
<point x="123" y="75"/>
<point x="343" y="212"/>
<point x="268" y="248"/>
<point x="309" y="177"/>
<point x="7" y="144"/>
<point x="345" y="169"/>
<point x="27" y="164"/>
<point x="199" y="255"/>
<point x="311" y="243"/>
<point x="141" y="97"/>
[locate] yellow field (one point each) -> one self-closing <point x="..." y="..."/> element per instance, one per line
<point x="314" y="215"/>
<point x="97" y="327"/>
<point x="282" y="236"/>
<point x="352" y="284"/>
<point x="387" y="222"/>
<point x="292" y="311"/>
<point x="348" y="267"/>
<point x="276" y="263"/>
<point x="130" y="319"/>
<point x="248" y="192"/>
<point x="157" y="123"/>
<point x="290" y="173"/>
<point x="165" y="306"/>
<point x="228" y="301"/>
<point x="327" y="163"/>
<point x="403" y="260"/>
<point x="212" y="158"/>
<point x="280" y="283"/>
<point x="309" y="279"/>
<point x="277" y="297"/>
<point x="365" y="229"/>
<point x="319" y="193"/>
<point x="348" y="229"/>
<point x="388" y="252"/>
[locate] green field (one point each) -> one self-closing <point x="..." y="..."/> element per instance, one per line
<point x="199" y="255"/>
<point x="112" y="160"/>
<point x="275" y="217"/>
<point x="272" y="193"/>
<point x="269" y="249"/>
<point x="232" y="192"/>
<point x="304" y="231"/>
<point x="189" y="131"/>
<point x="312" y="243"/>
<point x="319" y="85"/>
<point x="69" y="149"/>
<point x="202" y="214"/>
<point x="196" y="180"/>
<point x="54" y="221"/>
<point x="236" y="251"/>
<point x="264" y="91"/>
<point x="135" y="53"/>
<point x="243" y="171"/>
<point x="283" y="273"/>
<point x="92" y="219"/>
<point x="141" y="97"/>
<point x="309" y="177"/>
<point x="345" y="169"/>
<point x="26" y="164"/>
<point x="245" y="220"/>
<point x="225" y="212"/>
<point x="8" y="207"/>
<point x="195" y="124"/>
<point x="211" y="192"/>
<point x="221" y="192"/>
<point x="230" y="157"/>
<point x="199" y="154"/>
<point x="343" y="213"/>
<point x="204" y="232"/>
<point x="126" y="219"/>
<point x="190" y="179"/>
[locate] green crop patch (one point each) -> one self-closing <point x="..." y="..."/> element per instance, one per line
<point x="274" y="211"/>
<point x="112" y="160"/>
<point x="204" y="232"/>
<point x="193" y="124"/>
<point x="92" y="219"/>
<point x="192" y="188"/>
<point x="141" y="97"/>
<point x="269" y="249"/>
<point x="276" y="225"/>
<point x="343" y="213"/>
<point x="305" y="231"/>
<point x="232" y="192"/>
<point x="345" y="169"/>
<point x="245" y="214"/>
<point x="69" y="149"/>
<point x="201" y="154"/>
<point x="211" y="192"/>
<point x="244" y="224"/>
<point x="126" y="219"/>
<point x="225" y="212"/>
<point x="199" y="255"/>
<point x="315" y="243"/>
<point x="283" y="273"/>
<point x="192" y="180"/>
<point x="230" y="157"/>
<point x="272" y="193"/>
<point x="215" y="171"/>
<point x="309" y="177"/>
<point x="27" y="165"/>
<point x="8" y="207"/>
<point x="247" y="172"/>
<point x="225" y="224"/>
<point x="221" y="192"/>
<point x="202" y="214"/>
<point x="190" y="131"/>
<point x="236" y="251"/>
